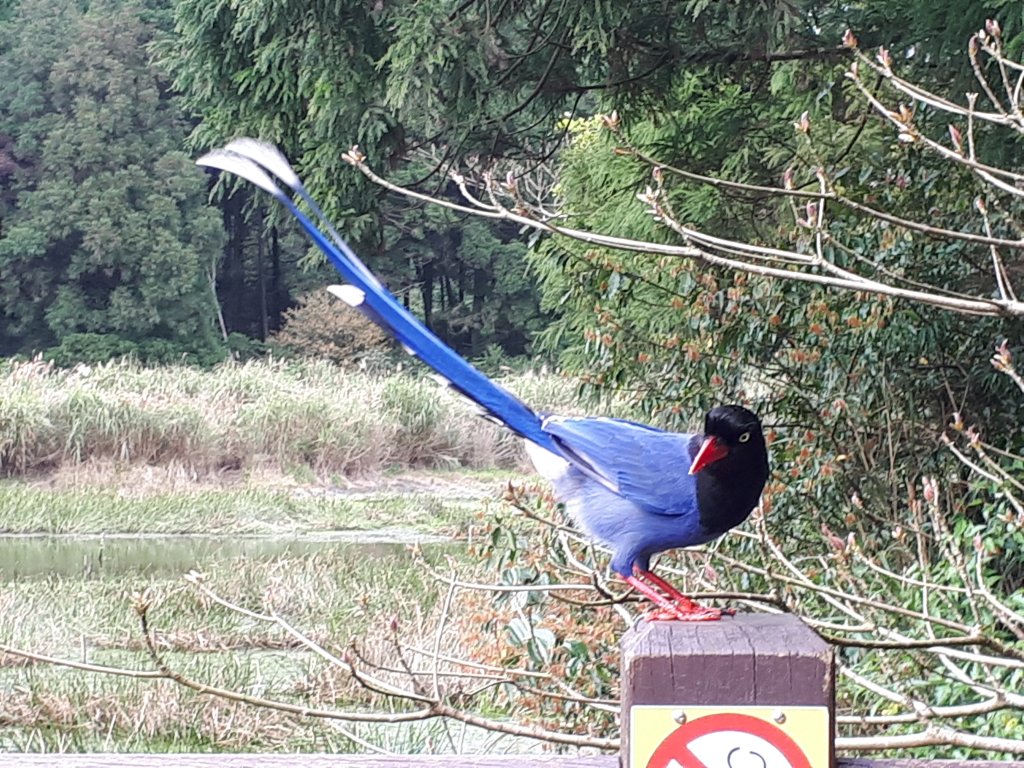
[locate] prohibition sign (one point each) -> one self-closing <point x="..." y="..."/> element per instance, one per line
<point x="728" y="740"/>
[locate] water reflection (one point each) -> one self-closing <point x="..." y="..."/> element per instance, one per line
<point x="103" y="556"/>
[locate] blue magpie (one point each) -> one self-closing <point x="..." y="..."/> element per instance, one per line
<point x="636" y="489"/>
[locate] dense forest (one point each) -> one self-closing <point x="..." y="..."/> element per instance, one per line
<point x="110" y="239"/>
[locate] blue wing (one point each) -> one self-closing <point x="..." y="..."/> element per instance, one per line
<point x="248" y="159"/>
<point x="642" y="464"/>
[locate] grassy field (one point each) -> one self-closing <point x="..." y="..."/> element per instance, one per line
<point x="325" y="497"/>
<point x="334" y="594"/>
<point x="426" y="501"/>
<point x="308" y="553"/>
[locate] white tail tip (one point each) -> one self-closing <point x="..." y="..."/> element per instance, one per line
<point x="348" y="293"/>
<point x="240" y="166"/>
<point x="266" y="155"/>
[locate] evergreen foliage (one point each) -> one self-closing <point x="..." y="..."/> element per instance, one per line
<point x="860" y="388"/>
<point x="105" y="225"/>
<point x="308" y="77"/>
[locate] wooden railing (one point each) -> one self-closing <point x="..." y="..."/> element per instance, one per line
<point x="224" y="760"/>
<point x="750" y="691"/>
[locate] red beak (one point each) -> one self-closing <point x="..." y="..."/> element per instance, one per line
<point x="710" y="451"/>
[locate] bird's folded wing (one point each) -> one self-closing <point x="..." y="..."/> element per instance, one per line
<point x="645" y="465"/>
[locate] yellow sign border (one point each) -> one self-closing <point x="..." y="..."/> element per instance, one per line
<point x="651" y="724"/>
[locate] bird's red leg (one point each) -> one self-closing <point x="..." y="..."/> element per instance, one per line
<point x="670" y="609"/>
<point x="673" y="593"/>
<point x="687" y="604"/>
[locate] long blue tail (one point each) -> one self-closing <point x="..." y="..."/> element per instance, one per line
<point x="250" y="160"/>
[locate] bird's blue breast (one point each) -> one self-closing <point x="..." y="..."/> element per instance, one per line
<point x="632" y="533"/>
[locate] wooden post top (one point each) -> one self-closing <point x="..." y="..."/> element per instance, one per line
<point x="767" y="632"/>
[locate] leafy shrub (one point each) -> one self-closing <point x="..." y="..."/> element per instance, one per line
<point x="323" y="327"/>
<point x="89" y="348"/>
<point x="243" y="348"/>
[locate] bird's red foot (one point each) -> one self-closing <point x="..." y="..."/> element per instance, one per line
<point x="672" y="605"/>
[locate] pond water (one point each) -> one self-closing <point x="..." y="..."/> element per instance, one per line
<point x="104" y="556"/>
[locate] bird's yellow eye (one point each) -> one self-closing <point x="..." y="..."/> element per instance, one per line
<point x="744" y="437"/>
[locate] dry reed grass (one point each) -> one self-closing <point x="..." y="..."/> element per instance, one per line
<point x="239" y="416"/>
<point x="151" y="713"/>
<point x="332" y="599"/>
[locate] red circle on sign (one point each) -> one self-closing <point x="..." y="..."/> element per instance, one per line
<point x="676" y="744"/>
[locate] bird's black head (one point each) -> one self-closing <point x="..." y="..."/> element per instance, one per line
<point x="731" y="464"/>
<point x="732" y="438"/>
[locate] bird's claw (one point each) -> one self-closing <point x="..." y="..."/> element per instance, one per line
<point x="691" y="612"/>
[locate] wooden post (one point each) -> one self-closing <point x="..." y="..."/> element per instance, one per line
<point x="752" y="665"/>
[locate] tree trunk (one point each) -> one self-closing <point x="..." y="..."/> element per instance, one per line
<point x="261" y="278"/>
<point x="427" y="290"/>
